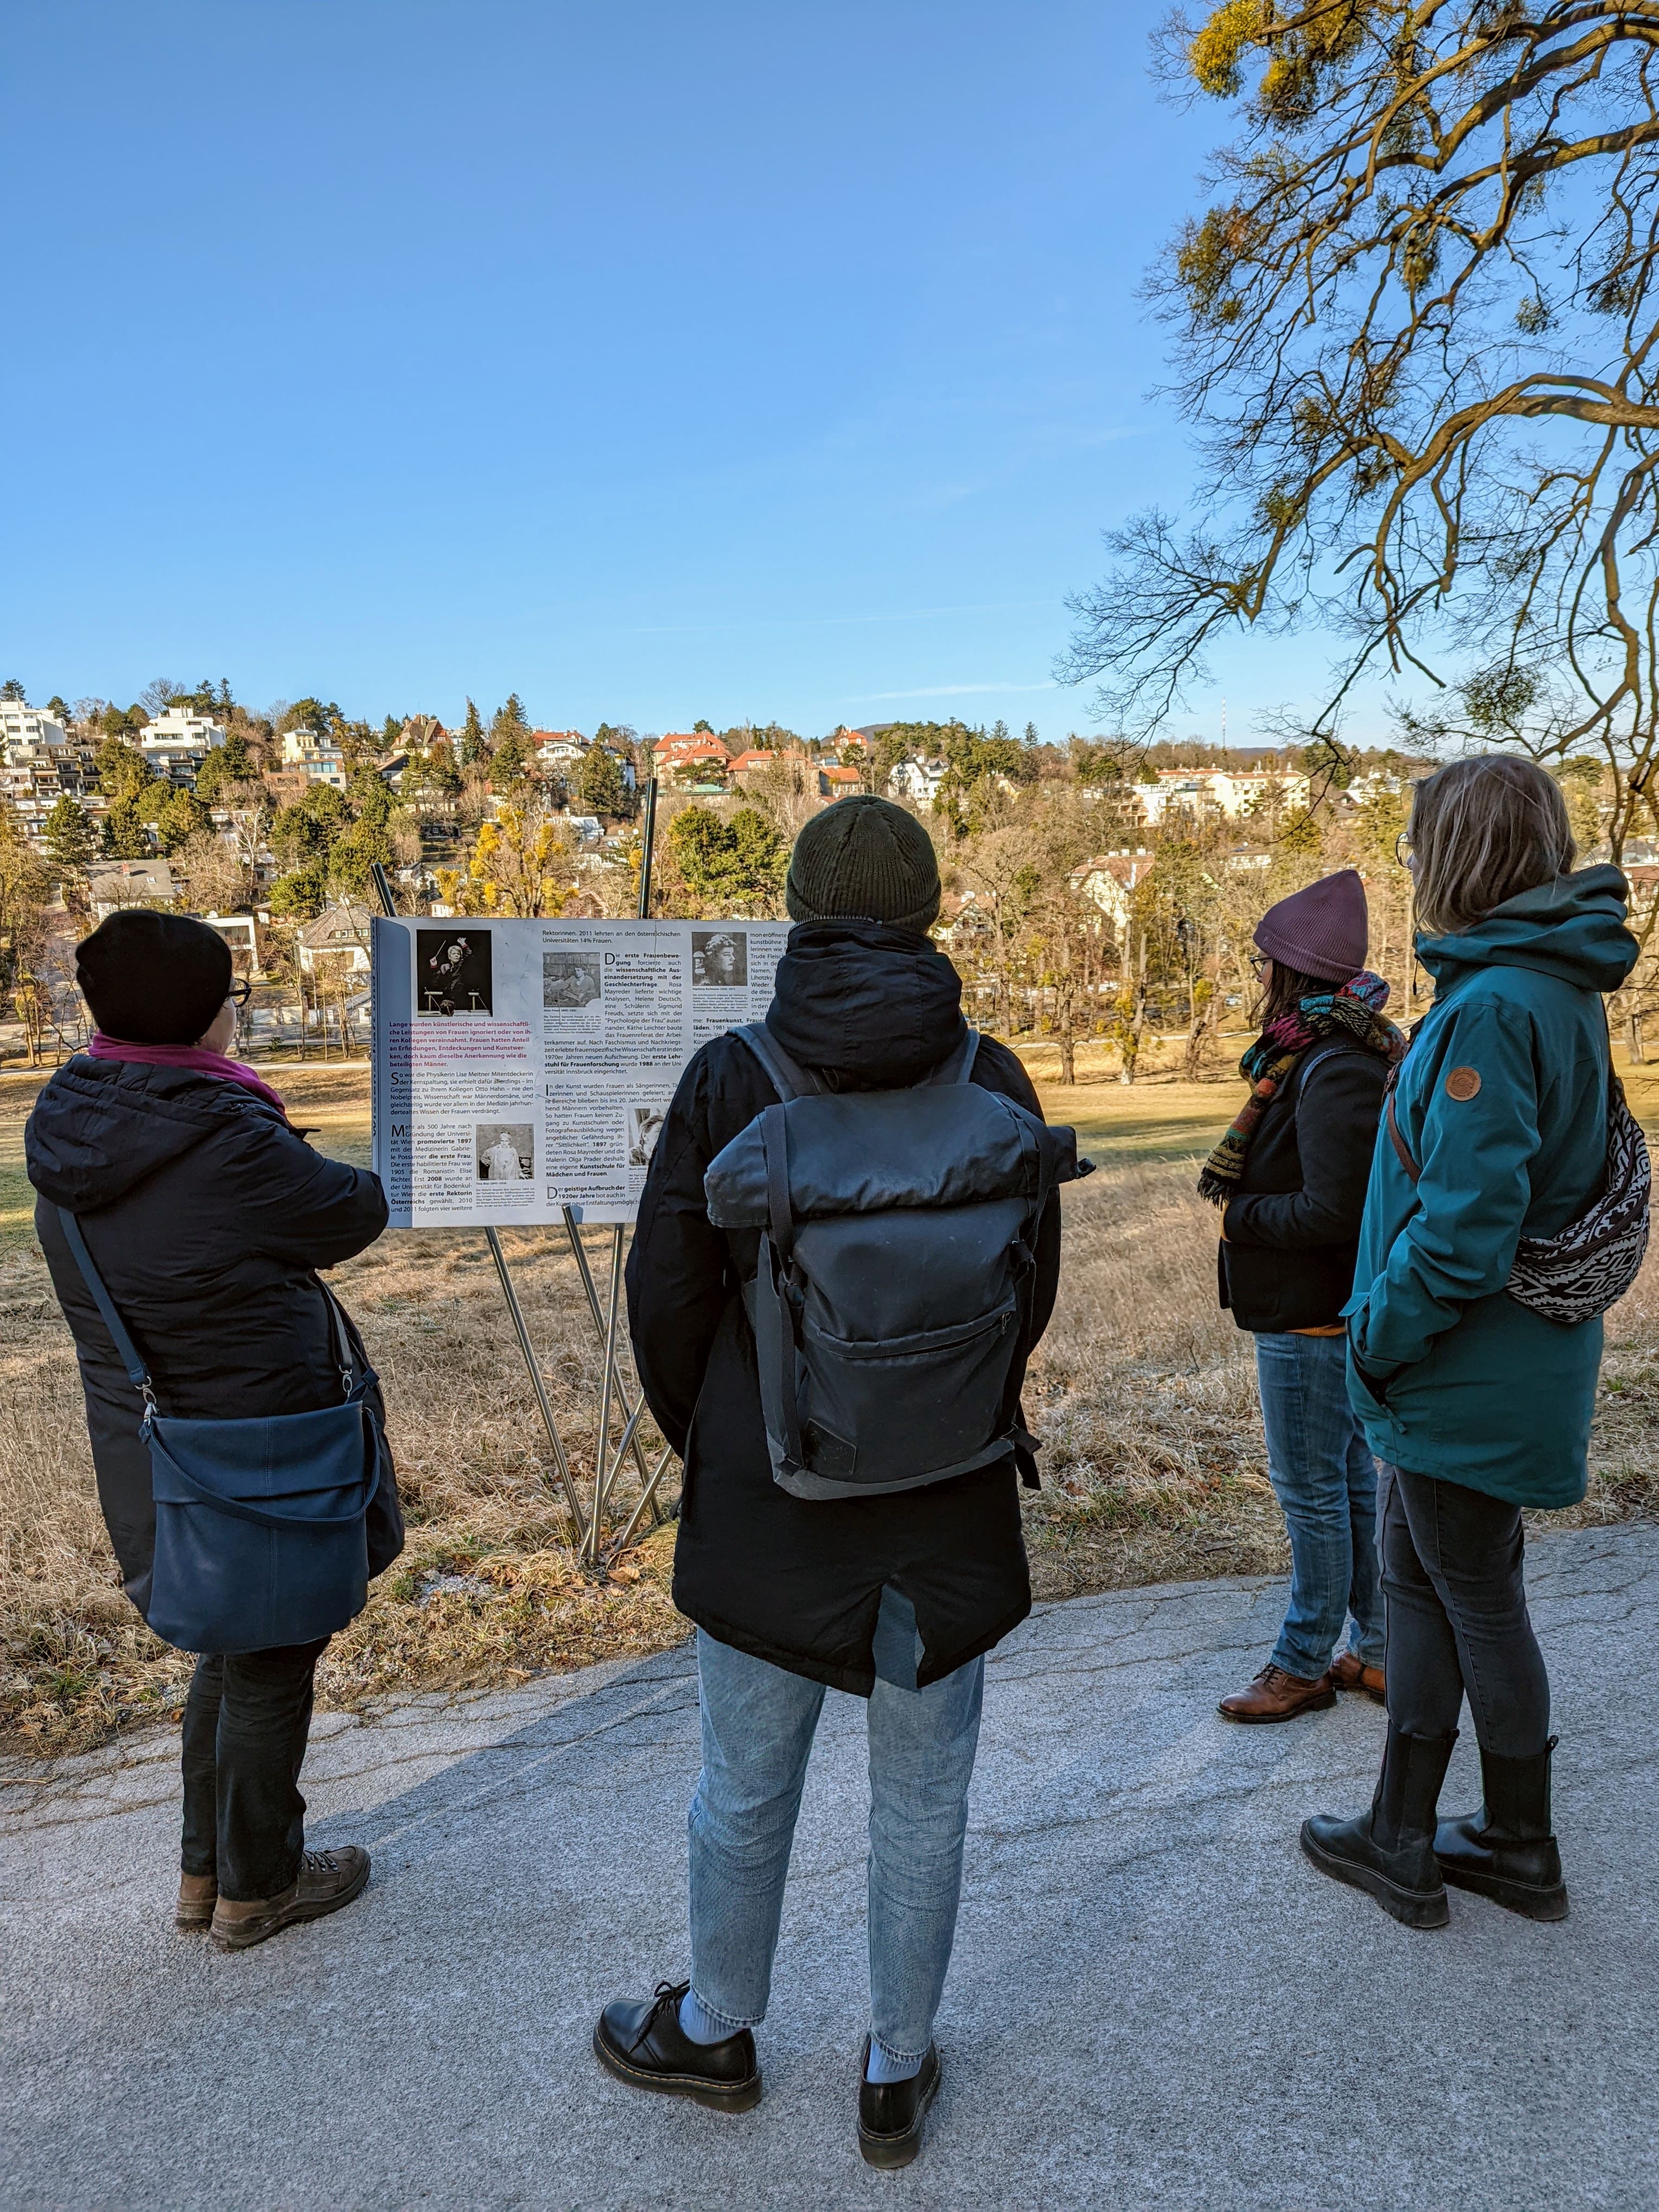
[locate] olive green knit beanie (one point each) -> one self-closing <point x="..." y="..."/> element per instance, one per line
<point x="864" y="859"/>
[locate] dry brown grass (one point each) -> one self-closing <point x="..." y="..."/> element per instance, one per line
<point x="1144" y="1390"/>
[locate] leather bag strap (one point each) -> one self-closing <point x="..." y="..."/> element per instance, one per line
<point x="1399" y="1142"/>
<point x="127" y="1350"/>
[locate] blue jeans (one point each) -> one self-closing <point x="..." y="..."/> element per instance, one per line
<point x="1325" y="1479"/>
<point x="757" y="1729"/>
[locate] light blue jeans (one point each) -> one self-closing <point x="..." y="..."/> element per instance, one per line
<point x="757" y="1729"/>
<point x="1325" y="1479"/>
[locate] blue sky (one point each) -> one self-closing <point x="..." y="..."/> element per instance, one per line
<point x="653" y="362"/>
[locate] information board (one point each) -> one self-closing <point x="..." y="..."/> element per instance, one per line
<point x="524" y="1067"/>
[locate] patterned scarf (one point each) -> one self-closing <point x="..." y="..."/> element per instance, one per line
<point x="1356" y="1008"/>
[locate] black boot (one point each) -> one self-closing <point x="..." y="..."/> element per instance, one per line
<point x="643" y="2044"/>
<point x="1505" y="1850"/>
<point x="890" y="2113"/>
<point x="1389" y="1850"/>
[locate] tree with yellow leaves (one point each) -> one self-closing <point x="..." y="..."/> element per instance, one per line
<point x="520" y="866"/>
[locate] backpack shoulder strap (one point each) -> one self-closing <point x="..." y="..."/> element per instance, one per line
<point x="957" y="1067"/>
<point x="789" y="1078"/>
<point x="127" y="1350"/>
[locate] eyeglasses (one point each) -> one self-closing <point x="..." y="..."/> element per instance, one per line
<point x="1403" y="848"/>
<point x="240" y="992"/>
<point x="1260" y="961"/>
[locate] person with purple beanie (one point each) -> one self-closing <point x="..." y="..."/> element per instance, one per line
<point x="1289" y="1176"/>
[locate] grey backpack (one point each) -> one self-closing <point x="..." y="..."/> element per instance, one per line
<point x="898" y="1230"/>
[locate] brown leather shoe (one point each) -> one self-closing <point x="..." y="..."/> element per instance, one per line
<point x="197" y="1895"/>
<point x="1276" y="1696"/>
<point x="1350" y="1672"/>
<point x="327" y="1881"/>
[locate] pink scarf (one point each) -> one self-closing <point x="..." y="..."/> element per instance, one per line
<point x="186" y="1055"/>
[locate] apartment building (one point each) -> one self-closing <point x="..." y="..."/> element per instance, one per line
<point x="177" y="743"/>
<point x="320" y="758"/>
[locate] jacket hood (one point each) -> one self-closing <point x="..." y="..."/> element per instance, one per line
<point x="102" y="1127"/>
<point x="867" y="1002"/>
<point x="1573" y="928"/>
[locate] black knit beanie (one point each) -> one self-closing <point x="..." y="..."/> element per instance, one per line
<point x="154" y="978"/>
<point x="864" y="859"/>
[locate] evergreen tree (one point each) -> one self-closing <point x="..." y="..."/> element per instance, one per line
<point x="737" y="863"/>
<point x="181" y="816"/>
<point x="71" y="841"/>
<point x="601" y="787"/>
<point x="473" y="748"/>
<point x="125" y="834"/>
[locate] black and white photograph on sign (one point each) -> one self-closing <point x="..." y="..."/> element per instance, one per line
<point x="719" y="959"/>
<point x="644" y="1127"/>
<point x="453" y="972"/>
<point x="570" y="981"/>
<point x="506" y="1152"/>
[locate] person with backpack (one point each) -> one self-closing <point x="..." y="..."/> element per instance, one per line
<point x="1507" y="1209"/>
<point x="840" y="1367"/>
<point x="1291" y="1174"/>
<point x="178" y="1211"/>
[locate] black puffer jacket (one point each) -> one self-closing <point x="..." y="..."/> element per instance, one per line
<point x="1292" y="1229"/>
<point x="799" y="1581"/>
<point x="206" y="1215"/>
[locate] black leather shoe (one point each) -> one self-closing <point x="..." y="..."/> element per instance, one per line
<point x="1389" y="1852"/>
<point x="644" y="2045"/>
<point x="890" y="2113"/>
<point x="1505" y="1852"/>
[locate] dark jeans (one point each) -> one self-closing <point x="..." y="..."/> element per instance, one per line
<point x="246" y="1722"/>
<point x="1457" y="1616"/>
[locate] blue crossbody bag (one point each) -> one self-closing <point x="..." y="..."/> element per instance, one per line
<point x="261" y="1537"/>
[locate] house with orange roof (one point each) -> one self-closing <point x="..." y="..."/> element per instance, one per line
<point x="685" y="748"/>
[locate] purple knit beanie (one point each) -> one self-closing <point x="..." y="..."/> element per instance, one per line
<point x="1323" y="931"/>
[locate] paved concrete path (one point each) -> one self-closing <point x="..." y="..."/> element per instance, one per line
<point x="1154" y="2001"/>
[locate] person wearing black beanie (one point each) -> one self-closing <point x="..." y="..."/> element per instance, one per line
<point x="154" y="978"/>
<point x="207" y="1216"/>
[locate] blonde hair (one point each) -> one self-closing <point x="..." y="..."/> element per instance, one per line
<point x="1484" y="830"/>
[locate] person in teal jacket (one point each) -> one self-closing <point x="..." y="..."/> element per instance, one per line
<point x="1476" y="1405"/>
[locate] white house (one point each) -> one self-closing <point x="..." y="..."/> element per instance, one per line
<point x="320" y="757"/>
<point x="1108" y="879"/>
<point x="338" y="936"/>
<point x="24" y="730"/>
<point x="918" y="780"/>
<point x="177" y="743"/>
<point x="559" y="748"/>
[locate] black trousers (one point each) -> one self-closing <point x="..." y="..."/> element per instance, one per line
<point x="1457" y="1621"/>
<point x="246" y="1722"/>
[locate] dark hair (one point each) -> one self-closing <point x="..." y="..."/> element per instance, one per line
<point x="1484" y="830"/>
<point x="1287" y="989"/>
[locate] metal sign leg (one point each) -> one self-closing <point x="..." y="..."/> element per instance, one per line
<point x="561" y="1465"/>
<point x="603" y="1466"/>
<point x="601" y="1330"/>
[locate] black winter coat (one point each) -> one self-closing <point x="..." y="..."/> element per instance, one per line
<point x="206" y="1215"/>
<point x="795" y="1581"/>
<point x="1292" y="1228"/>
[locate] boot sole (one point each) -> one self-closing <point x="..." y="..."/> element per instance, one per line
<point x="889" y="2152"/>
<point x="1514" y="1896"/>
<point x="193" y="1920"/>
<point x="1413" y="1908"/>
<point x="243" y="1938"/>
<point x="742" y="2097"/>
<point x="1319" y="1704"/>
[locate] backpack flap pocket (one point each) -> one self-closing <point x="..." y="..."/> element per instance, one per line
<point x="920" y="1406"/>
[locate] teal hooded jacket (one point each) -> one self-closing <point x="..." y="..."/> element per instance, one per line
<point x="1502" y="1103"/>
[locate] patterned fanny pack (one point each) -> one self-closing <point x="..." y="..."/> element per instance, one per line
<point x="1590" y="1265"/>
